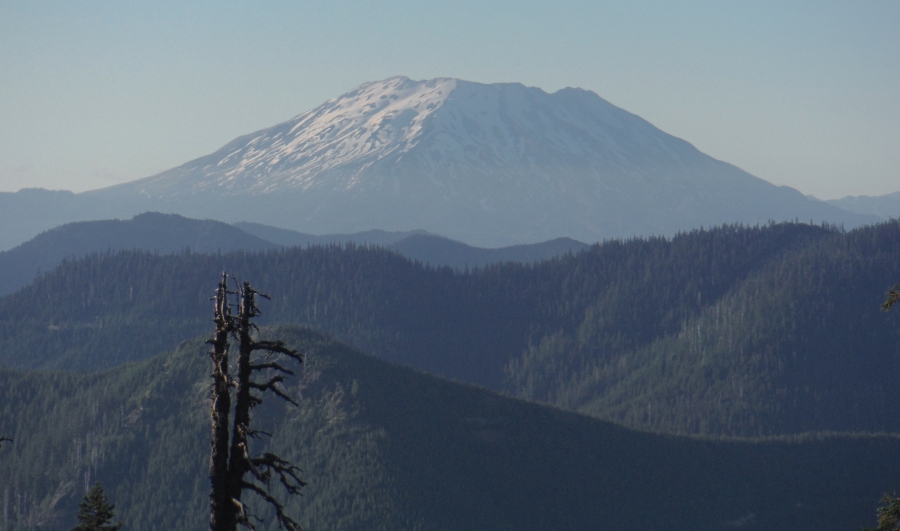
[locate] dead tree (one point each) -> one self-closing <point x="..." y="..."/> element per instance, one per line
<point x="222" y="511"/>
<point x="232" y="470"/>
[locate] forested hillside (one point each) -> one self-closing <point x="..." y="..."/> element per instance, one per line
<point x="170" y="233"/>
<point x="800" y="344"/>
<point x="151" y="231"/>
<point x="384" y="447"/>
<point x="734" y="330"/>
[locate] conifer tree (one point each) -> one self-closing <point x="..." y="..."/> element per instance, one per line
<point x="889" y="513"/>
<point x="95" y="512"/>
<point x="893" y="297"/>
<point x="230" y="460"/>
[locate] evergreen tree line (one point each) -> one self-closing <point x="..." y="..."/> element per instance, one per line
<point x="734" y="330"/>
<point x="384" y="447"/>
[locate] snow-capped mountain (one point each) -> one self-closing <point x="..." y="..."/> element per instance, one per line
<point x="487" y="164"/>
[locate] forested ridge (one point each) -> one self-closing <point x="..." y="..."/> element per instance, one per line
<point x="171" y="233"/>
<point x="732" y="330"/>
<point x="799" y="344"/>
<point x="385" y="447"/>
<point x="151" y="231"/>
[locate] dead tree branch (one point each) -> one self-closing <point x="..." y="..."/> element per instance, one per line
<point x="230" y="461"/>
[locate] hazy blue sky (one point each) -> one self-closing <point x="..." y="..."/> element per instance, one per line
<point x="92" y="93"/>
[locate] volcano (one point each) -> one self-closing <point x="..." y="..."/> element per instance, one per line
<point x="487" y="164"/>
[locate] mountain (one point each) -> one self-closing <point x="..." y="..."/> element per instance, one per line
<point x="742" y="331"/>
<point x="804" y="329"/>
<point x="424" y="247"/>
<point x="171" y="233"/>
<point x="439" y="251"/>
<point x="884" y="206"/>
<point x="30" y="211"/>
<point x="388" y="448"/>
<point x="291" y="238"/>
<point x="488" y="165"/>
<point x="154" y="232"/>
<point x="485" y="164"/>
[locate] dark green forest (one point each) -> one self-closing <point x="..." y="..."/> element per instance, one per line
<point x="736" y="377"/>
<point x="385" y="447"/>
<point x="735" y="330"/>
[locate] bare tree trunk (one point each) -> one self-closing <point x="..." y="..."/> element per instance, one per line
<point x="230" y="460"/>
<point x="244" y="401"/>
<point x="222" y="512"/>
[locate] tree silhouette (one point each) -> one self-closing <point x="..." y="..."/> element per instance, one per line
<point x="889" y="513"/>
<point x="893" y="296"/>
<point x="95" y="512"/>
<point x="230" y="459"/>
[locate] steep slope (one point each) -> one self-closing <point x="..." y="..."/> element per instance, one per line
<point x="152" y="232"/>
<point x="489" y="165"/>
<point x="794" y="346"/>
<point x="388" y="448"/>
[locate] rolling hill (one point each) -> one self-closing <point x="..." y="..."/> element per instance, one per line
<point x="170" y="233"/>
<point x="384" y="447"/>
<point x="738" y="330"/>
<point x="152" y="232"/>
<point x="424" y="247"/>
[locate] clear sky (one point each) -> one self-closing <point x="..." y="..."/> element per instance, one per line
<point x="93" y="93"/>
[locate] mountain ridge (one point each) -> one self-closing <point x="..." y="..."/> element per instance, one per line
<point x="150" y="231"/>
<point x="733" y="331"/>
<point x="885" y="206"/>
<point x="385" y="448"/>
<point x="171" y="233"/>
<point x="490" y="165"/>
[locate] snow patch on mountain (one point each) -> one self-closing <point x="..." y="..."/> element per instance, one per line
<point x="440" y="130"/>
<point x="369" y="123"/>
<point x="490" y="165"/>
